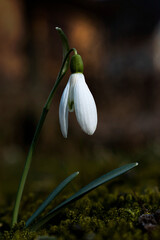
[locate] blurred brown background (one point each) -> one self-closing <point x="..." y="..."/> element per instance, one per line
<point x="119" y="42"/>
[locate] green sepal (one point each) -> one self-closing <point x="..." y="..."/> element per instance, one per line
<point x="76" y="64"/>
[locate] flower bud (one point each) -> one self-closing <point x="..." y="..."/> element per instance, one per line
<point x="76" y="64"/>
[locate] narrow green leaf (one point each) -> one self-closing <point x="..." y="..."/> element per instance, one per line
<point x="65" y="46"/>
<point x="55" y="192"/>
<point x="94" y="184"/>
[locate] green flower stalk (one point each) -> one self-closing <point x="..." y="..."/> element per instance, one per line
<point x="46" y="108"/>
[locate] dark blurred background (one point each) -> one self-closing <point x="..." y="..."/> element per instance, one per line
<point x="119" y="42"/>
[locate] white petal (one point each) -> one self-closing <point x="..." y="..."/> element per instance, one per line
<point x="63" y="111"/>
<point x="85" y="107"/>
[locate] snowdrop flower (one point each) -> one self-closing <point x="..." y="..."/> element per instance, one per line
<point x="77" y="96"/>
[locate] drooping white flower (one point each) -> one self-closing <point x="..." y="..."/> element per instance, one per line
<point x="77" y="96"/>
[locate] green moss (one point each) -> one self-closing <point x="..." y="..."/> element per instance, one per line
<point x="110" y="212"/>
<point x="116" y="215"/>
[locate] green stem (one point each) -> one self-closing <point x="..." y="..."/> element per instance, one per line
<point x="35" y="139"/>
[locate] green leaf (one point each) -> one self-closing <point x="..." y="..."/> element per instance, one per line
<point x="94" y="184"/>
<point x="65" y="47"/>
<point x="56" y="191"/>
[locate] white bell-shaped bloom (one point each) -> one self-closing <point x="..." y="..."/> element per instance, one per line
<point x="77" y="96"/>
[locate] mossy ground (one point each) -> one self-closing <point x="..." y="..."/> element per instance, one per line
<point x="125" y="208"/>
